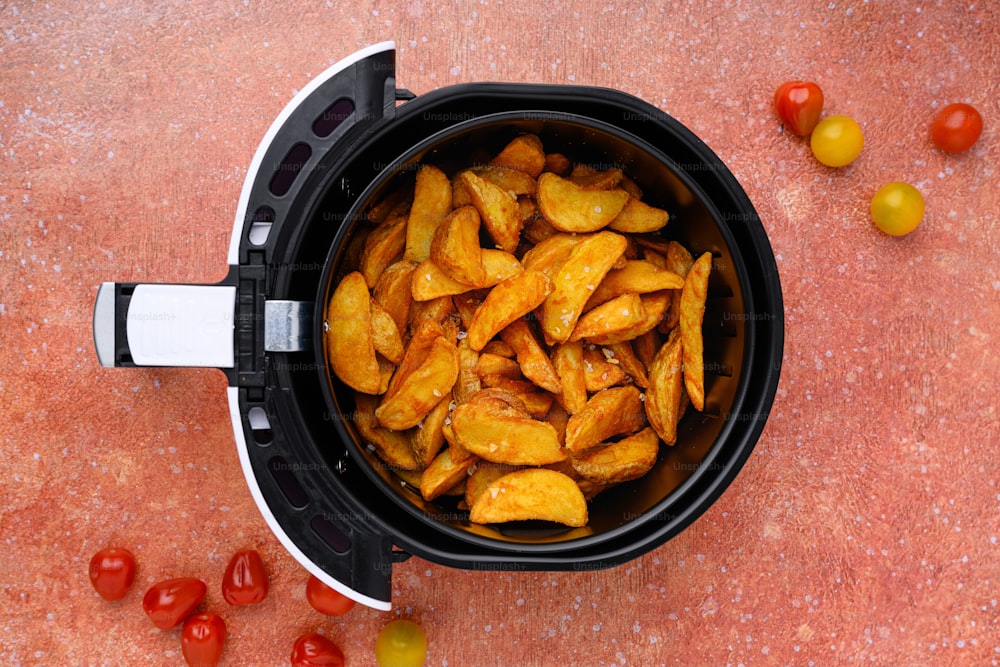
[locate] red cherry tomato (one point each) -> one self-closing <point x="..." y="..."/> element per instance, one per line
<point x="315" y="650"/>
<point x="956" y="127"/>
<point x="112" y="571"/>
<point x="245" y="580"/>
<point x="325" y="600"/>
<point x="169" y="602"/>
<point x="799" y="105"/>
<point x="202" y="639"/>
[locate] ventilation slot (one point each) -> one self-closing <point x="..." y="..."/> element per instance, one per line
<point x="282" y="472"/>
<point x="260" y="426"/>
<point x="289" y="169"/>
<point x="329" y="533"/>
<point x="331" y="119"/>
<point x="260" y="226"/>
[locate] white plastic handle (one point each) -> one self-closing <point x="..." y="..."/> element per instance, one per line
<point x="181" y="325"/>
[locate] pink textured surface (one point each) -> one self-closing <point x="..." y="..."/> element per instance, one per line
<point x="862" y="531"/>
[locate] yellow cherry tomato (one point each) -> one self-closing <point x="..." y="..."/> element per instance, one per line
<point x="897" y="208"/>
<point x="401" y="643"/>
<point x="837" y="141"/>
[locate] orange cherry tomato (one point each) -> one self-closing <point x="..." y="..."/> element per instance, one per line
<point x="325" y="600"/>
<point x="245" y="580"/>
<point x="956" y="127"/>
<point x="202" y="639"/>
<point x="799" y="105"/>
<point x="169" y="602"/>
<point x="315" y="650"/>
<point x="112" y="571"/>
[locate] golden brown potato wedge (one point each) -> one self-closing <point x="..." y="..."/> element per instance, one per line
<point x="534" y="362"/>
<point x="468" y="382"/>
<point x="385" y="334"/>
<point x="349" y="342"/>
<point x="646" y="346"/>
<point x="429" y="281"/>
<point x="571" y="208"/>
<point x="428" y="436"/>
<point x="574" y="279"/>
<point x="523" y="153"/>
<point x="637" y="276"/>
<point x="421" y="390"/>
<point x="608" y="413"/>
<point x="663" y="397"/>
<point x="637" y="217"/>
<point x="567" y="359"/>
<point x="550" y="252"/>
<point x="495" y="425"/>
<point x="514" y="181"/>
<point x="692" y="312"/>
<point x="392" y="291"/>
<point x="624" y="355"/>
<point x="443" y="474"/>
<point x="431" y="203"/>
<point x="494" y="364"/>
<point x="384" y="245"/>
<point x="629" y="458"/>
<point x="393" y="447"/>
<point x="678" y="260"/>
<point x="654" y="304"/>
<point x="621" y="314"/>
<point x="499" y="210"/>
<point x="589" y="178"/>
<point x="537" y="403"/>
<point x="558" y="163"/>
<point x="536" y="228"/>
<point x="510" y="300"/>
<point x="436" y="310"/>
<point x="481" y="475"/>
<point x="533" y="493"/>
<point x="499" y="348"/>
<point x="598" y="372"/>
<point x="455" y="248"/>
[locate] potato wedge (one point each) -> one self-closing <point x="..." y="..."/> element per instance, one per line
<point x="385" y="333"/>
<point x="537" y="403"/>
<point x="548" y="253"/>
<point x="623" y="313"/>
<point x="468" y="382"/>
<point x="383" y="246"/>
<point x="536" y="228"/>
<point x="514" y="181"/>
<point x="608" y="413"/>
<point x="431" y="282"/>
<point x="678" y="260"/>
<point x="499" y="348"/>
<point x="455" y="248"/>
<point x="598" y="372"/>
<point x="534" y="362"/>
<point x="574" y="279"/>
<point x="495" y="425"/>
<point x="646" y="346"/>
<point x="523" y="153"/>
<point x="624" y="355"/>
<point x="481" y="475"/>
<point x="558" y="164"/>
<point x="589" y="178"/>
<point x="654" y="304"/>
<point x="350" y="346"/>
<point x="509" y="300"/>
<point x="533" y="493"/>
<point x="571" y="208"/>
<point x="428" y="436"/>
<point x="421" y="390"/>
<point x="692" y="312"/>
<point x="431" y="203"/>
<point x="637" y="276"/>
<point x="567" y="360"/>
<point x="443" y="474"/>
<point x="629" y="458"/>
<point x="392" y="291"/>
<point x="393" y="447"/>
<point x="637" y="217"/>
<point x="663" y="397"/>
<point x="494" y="364"/>
<point x="499" y="210"/>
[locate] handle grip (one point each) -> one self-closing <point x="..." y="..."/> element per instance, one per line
<point x="157" y="324"/>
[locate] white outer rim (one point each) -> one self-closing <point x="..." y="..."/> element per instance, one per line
<point x="233" y="394"/>
<point x="265" y="143"/>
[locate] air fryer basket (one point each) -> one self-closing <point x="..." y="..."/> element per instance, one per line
<point x="704" y="449"/>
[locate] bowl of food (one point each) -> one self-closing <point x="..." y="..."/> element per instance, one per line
<point x="497" y="326"/>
